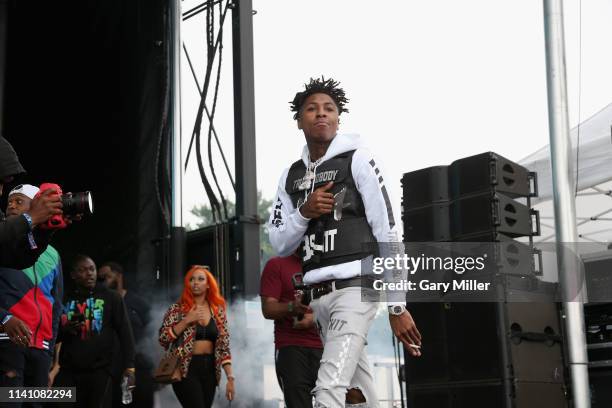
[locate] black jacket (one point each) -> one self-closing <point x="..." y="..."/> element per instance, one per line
<point x="15" y="251"/>
<point x="104" y="317"/>
<point x="9" y="162"/>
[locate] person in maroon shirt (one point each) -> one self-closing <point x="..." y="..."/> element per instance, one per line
<point x="298" y="346"/>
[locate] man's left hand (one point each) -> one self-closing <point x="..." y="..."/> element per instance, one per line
<point x="405" y="330"/>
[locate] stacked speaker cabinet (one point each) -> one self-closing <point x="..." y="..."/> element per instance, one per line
<point x="482" y="354"/>
<point x="472" y="199"/>
<point x="598" y="319"/>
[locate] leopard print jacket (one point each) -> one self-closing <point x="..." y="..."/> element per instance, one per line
<point x="183" y="344"/>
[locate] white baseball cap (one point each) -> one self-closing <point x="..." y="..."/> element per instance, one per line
<point x="27" y="190"/>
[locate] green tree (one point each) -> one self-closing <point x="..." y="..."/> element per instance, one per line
<point x="204" y="213"/>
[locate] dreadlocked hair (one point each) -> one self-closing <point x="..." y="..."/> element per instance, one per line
<point x="319" y="85"/>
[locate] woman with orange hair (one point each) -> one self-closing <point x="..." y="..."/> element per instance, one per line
<point x="196" y="327"/>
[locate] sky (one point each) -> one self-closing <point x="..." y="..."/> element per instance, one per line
<point x="429" y="82"/>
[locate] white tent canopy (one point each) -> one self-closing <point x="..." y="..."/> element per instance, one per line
<point x="592" y="146"/>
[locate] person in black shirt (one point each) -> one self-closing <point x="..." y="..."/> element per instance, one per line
<point x="93" y="315"/>
<point x="139" y="312"/>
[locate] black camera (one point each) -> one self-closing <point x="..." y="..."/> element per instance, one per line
<point x="72" y="204"/>
<point x="77" y="203"/>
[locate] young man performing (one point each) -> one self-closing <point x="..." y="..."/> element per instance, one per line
<point x="329" y="203"/>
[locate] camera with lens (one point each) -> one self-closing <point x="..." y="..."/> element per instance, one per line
<point x="72" y="204"/>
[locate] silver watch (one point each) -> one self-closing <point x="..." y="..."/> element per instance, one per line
<point x="397" y="310"/>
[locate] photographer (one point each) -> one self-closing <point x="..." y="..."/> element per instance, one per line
<point x="92" y="316"/>
<point x="21" y="243"/>
<point x="30" y="305"/>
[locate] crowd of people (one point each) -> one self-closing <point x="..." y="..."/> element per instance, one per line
<point x="48" y="336"/>
<point x="90" y="337"/>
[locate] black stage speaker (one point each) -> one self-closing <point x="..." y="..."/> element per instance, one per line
<point x="468" y="218"/>
<point x="471" y="197"/>
<point x="477" y="214"/>
<point x="487" y="355"/>
<point x="598" y="320"/>
<point x="598" y="276"/>
<point x="490" y="171"/>
<point x="527" y="395"/>
<point x="214" y="246"/>
<point x="486" y="172"/>
<point x="429" y="223"/>
<point x="424" y="187"/>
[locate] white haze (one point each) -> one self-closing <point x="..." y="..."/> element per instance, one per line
<point x="252" y="348"/>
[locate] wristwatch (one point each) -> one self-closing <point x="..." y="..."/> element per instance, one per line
<point x="290" y="307"/>
<point x="397" y="310"/>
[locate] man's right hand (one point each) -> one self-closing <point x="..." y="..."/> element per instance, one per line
<point x="404" y="328"/>
<point x="300" y="309"/>
<point x="44" y="206"/>
<point x="306" y="323"/>
<point x="319" y="202"/>
<point x="17" y="331"/>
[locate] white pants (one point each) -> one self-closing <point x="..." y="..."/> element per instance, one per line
<point x="343" y="320"/>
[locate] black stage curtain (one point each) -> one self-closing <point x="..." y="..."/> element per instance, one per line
<point x="85" y="106"/>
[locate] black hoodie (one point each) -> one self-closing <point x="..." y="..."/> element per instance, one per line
<point x="104" y="318"/>
<point x="9" y="163"/>
<point x="15" y="251"/>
